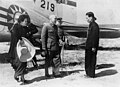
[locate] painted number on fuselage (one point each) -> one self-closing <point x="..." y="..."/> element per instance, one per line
<point x="47" y="5"/>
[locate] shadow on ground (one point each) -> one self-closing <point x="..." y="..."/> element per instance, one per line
<point x="106" y="73"/>
<point x="79" y="46"/>
<point x="101" y="66"/>
<point x="4" y="58"/>
<point x="41" y="66"/>
<point x="63" y="74"/>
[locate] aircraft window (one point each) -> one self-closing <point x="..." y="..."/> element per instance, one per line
<point x="72" y="3"/>
<point x="61" y="1"/>
<point x="58" y="1"/>
<point x="68" y="2"/>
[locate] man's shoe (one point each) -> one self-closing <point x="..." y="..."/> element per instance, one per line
<point x="86" y="76"/>
<point x="47" y="75"/>
<point x="57" y="76"/>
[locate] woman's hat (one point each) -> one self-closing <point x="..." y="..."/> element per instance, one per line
<point x="25" y="50"/>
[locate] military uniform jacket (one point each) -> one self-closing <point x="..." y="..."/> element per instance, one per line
<point x="61" y="33"/>
<point x="49" y="37"/>
<point x="92" y="36"/>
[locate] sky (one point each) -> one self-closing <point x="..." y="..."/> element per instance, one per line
<point x="106" y="11"/>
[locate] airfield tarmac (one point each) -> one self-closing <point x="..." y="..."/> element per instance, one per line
<point x="107" y="74"/>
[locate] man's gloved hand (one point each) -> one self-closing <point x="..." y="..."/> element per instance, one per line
<point x="44" y="53"/>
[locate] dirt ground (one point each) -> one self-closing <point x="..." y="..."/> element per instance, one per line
<point x="107" y="74"/>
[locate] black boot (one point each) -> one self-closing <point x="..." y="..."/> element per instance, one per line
<point x="17" y="79"/>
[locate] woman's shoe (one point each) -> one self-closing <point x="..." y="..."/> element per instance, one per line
<point x="17" y="79"/>
<point x="24" y="82"/>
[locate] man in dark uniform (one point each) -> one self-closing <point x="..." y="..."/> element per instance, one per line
<point x="32" y="30"/>
<point x="92" y="44"/>
<point x="50" y="46"/>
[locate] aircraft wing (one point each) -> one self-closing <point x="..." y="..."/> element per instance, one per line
<point x="81" y="31"/>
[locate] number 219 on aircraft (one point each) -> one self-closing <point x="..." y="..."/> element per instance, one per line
<point x="47" y="5"/>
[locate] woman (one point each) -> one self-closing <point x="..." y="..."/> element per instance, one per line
<point x="19" y="30"/>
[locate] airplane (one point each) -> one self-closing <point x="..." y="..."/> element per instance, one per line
<point x="39" y="11"/>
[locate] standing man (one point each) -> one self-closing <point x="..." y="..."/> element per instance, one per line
<point x="50" y="46"/>
<point x="61" y="34"/>
<point x="60" y="31"/>
<point x="92" y="44"/>
<point x="32" y="30"/>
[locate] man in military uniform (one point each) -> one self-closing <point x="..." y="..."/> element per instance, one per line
<point x="50" y="46"/>
<point x="92" y="44"/>
<point x="61" y="35"/>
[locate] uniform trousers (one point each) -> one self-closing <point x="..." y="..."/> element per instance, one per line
<point x="90" y="62"/>
<point x="52" y="59"/>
